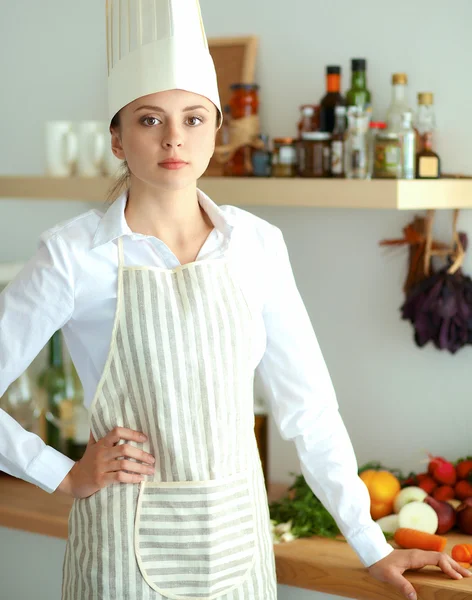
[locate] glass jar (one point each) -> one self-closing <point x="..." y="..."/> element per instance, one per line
<point x="314" y="154"/>
<point x="387" y="156"/>
<point x="244" y="102"/>
<point x="375" y="127"/>
<point x="261" y="159"/>
<point x="309" y="118"/>
<point x="284" y="157"/>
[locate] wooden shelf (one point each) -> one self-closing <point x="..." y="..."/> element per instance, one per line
<point x="320" y="564"/>
<point x="316" y="193"/>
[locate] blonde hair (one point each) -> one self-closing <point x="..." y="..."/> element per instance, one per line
<point x="124" y="174"/>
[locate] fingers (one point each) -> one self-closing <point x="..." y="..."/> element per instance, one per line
<point x="451" y="567"/>
<point x="91" y="440"/>
<point x="131" y="452"/>
<point x="402" y="584"/>
<point x="130" y="466"/>
<point x="121" y="477"/>
<point x="123" y="433"/>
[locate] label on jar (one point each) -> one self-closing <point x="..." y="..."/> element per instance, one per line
<point x="387" y="158"/>
<point x="287" y="155"/>
<point x="337" y="155"/>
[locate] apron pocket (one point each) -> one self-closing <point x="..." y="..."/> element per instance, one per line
<point x="195" y="539"/>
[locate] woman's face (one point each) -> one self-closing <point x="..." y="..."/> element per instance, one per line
<point x="160" y="129"/>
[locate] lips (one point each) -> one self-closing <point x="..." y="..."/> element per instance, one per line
<point x="173" y="163"/>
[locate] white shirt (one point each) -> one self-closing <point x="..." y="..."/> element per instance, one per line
<point x="71" y="283"/>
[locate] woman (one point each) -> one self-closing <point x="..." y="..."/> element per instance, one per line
<point x="169" y="306"/>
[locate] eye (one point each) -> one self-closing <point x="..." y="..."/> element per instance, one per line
<point x="146" y="120"/>
<point x="194" y="121"/>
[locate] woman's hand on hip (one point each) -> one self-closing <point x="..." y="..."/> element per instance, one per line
<point x="106" y="462"/>
<point x="391" y="568"/>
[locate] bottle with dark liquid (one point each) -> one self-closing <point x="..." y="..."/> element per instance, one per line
<point x="332" y="99"/>
<point x="428" y="163"/>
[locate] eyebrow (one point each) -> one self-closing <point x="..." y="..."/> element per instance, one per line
<point x="159" y="109"/>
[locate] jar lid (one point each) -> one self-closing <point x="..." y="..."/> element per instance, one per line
<point x="244" y="86"/>
<point x="316" y="136"/>
<point x="283" y="140"/>
<point x="425" y="98"/>
<point x="399" y="78"/>
<point x="378" y="125"/>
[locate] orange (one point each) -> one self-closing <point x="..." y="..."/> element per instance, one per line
<point x="382" y="487"/>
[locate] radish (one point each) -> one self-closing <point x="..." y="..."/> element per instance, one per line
<point x="419" y="516"/>
<point x="409" y="494"/>
<point x="388" y="524"/>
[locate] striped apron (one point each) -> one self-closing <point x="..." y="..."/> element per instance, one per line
<point x="178" y="369"/>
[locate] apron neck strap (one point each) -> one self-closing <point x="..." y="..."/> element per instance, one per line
<point x="120" y="253"/>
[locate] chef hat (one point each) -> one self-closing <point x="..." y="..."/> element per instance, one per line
<point x="157" y="45"/>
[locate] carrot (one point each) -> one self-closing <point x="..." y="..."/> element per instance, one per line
<point x="466" y="565"/>
<point x="412" y="538"/>
<point x="462" y="553"/>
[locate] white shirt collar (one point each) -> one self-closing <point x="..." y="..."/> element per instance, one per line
<point x="113" y="223"/>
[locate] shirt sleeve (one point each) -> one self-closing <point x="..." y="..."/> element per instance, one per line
<point x="33" y="306"/>
<point x="295" y="381"/>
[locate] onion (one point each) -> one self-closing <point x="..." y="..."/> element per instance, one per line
<point x="464" y="516"/>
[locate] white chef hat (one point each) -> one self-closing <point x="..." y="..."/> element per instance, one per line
<point x="154" y="46"/>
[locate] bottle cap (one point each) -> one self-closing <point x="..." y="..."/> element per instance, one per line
<point x="399" y="78"/>
<point x="378" y="125"/>
<point x="333" y="70"/>
<point x="358" y="64"/>
<point x="425" y="98"/>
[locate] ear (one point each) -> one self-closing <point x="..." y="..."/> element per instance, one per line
<point x="116" y="145"/>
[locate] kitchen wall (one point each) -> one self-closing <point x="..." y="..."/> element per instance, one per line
<point x="397" y="401"/>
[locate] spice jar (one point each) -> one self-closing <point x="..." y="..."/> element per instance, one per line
<point x="243" y="103"/>
<point x="284" y="157"/>
<point x="387" y="155"/>
<point x="314" y="154"/>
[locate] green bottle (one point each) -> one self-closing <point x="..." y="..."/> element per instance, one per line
<point x="52" y="380"/>
<point x="359" y="95"/>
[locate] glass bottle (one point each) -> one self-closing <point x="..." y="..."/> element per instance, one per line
<point x="261" y="430"/>
<point x="337" y="142"/>
<point x="425" y="118"/>
<point x="399" y="103"/>
<point x="359" y="95"/>
<point x="428" y="163"/>
<point x="309" y="119"/>
<point x="74" y="416"/>
<point x="357" y="152"/>
<point x="244" y="102"/>
<point x="20" y="403"/>
<point x="331" y="99"/>
<point x="52" y="381"/>
<point x="408" y="147"/>
<point x="261" y="159"/>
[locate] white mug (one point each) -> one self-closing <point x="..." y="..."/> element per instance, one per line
<point x="111" y="164"/>
<point x="61" y="148"/>
<point x="91" y="152"/>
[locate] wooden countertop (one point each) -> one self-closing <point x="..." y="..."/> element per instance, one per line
<point x="320" y="564"/>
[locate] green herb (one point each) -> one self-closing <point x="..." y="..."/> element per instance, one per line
<point x="308" y="515"/>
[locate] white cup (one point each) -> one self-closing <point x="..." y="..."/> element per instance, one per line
<point x="92" y="141"/>
<point x="111" y="163"/>
<point x="61" y="148"/>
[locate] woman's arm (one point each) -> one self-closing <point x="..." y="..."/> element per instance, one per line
<point x="38" y="302"/>
<point x="297" y="385"/>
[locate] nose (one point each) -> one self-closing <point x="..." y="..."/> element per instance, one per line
<point x="172" y="138"/>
